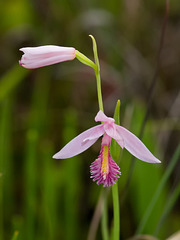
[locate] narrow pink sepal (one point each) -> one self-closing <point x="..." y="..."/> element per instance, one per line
<point x="80" y="143"/>
<point x="95" y="134"/>
<point x="35" y="57"/>
<point x="135" y="146"/>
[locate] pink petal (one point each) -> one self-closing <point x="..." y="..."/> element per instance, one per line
<point x="111" y="131"/>
<point x="101" y="117"/>
<point x="80" y="143"/>
<point x="135" y="146"/>
<point x="35" y="57"/>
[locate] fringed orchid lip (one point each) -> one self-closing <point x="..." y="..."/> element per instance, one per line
<point x="104" y="169"/>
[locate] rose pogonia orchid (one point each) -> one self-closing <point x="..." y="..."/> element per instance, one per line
<point x="104" y="170"/>
<point x="36" y="57"/>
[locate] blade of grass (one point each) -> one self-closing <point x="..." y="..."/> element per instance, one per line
<point x="72" y="180"/>
<point x="158" y="191"/>
<point x="15" y="235"/>
<point x="169" y="205"/>
<point x="96" y="216"/>
<point x="115" y="195"/>
<point x="30" y="183"/>
<point x="35" y="131"/>
<point x="5" y="169"/>
<point x="49" y="192"/>
<point x="11" y="79"/>
<point x="150" y="93"/>
<point x="143" y="185"/>
<point x="115" y="148"/>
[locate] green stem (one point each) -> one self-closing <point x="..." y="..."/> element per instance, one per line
<point x="97" y="74"/>
<point x="115" y="196"/>
<point x="104" y="222"/>
<point x="116" y="210"/>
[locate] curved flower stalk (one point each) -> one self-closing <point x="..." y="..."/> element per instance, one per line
<point x="104" y="170"/>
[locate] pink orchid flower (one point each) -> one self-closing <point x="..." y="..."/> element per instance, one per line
<point x="104" y="170"/>
<point x="35" y="57"/>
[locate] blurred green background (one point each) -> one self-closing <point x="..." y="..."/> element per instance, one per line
<point x="41" y="110"/>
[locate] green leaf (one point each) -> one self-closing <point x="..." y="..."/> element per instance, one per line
<point x="115" y="148"/>
<point x="15" y="235"/>
<point x="82" y="58"/>
<point x="115" y="153"/>
<point x="95" y="53"/>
